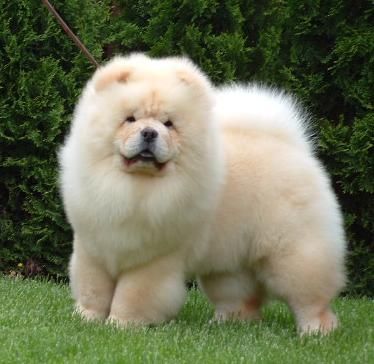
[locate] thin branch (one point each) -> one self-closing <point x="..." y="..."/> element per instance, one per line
<point x="70" y="33"/>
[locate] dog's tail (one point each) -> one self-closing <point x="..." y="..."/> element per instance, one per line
<point x="264" y="109"/>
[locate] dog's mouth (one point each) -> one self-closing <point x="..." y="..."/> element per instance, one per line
<point x="145" y="157"/>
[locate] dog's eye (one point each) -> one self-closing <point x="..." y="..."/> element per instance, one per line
<point x="130" y="119"/>
<point x="168" y="124"/>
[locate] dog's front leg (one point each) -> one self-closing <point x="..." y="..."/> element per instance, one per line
<point x="149" y="294"/>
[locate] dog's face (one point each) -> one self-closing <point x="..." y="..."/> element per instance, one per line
<point x="149" y="112"/>
<point x="146" y="143"/>
<point x="148" y="138"/>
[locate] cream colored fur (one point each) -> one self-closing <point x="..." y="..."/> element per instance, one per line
<point x="241" y="201"/>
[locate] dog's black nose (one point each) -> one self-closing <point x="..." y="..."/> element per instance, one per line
<point x="149" y="134"/>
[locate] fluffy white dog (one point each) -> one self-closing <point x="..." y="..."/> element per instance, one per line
<point x="164" y="177"/>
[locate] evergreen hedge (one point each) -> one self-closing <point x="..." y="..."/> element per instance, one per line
<point x="321" y="51"/>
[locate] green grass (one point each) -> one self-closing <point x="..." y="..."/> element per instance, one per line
<point x="37" y="326"/>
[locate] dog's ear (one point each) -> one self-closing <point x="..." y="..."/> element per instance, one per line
<point x="186" y="77"/>
<point x="191" y="76"/>
<point x="114" y="71"/>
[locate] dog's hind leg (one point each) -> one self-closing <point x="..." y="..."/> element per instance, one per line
<point x="307" y="278"/>
<point x="236" y="295"/>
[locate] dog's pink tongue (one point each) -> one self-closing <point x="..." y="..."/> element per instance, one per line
<point x="129" y="162"/>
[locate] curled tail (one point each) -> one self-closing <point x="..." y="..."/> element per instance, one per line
<point x="264" y="109"/>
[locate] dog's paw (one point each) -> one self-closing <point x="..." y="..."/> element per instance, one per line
<point x="125" y="322"/>
<point x="239" y="315"/>
<point x="323" y="324"/>
<point x="250" y="310"/>
<point x="88" y="314"/>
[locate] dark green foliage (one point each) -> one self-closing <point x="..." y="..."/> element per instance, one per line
<point x="321" y="51"/>
<point x="41" y="77"/>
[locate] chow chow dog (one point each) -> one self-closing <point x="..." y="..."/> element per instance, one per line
<point x="165" y="177"/>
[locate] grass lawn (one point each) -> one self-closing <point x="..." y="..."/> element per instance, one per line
<point x="37" y="326"/>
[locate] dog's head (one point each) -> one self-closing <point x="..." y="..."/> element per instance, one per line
<point x="148" y="113"/>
